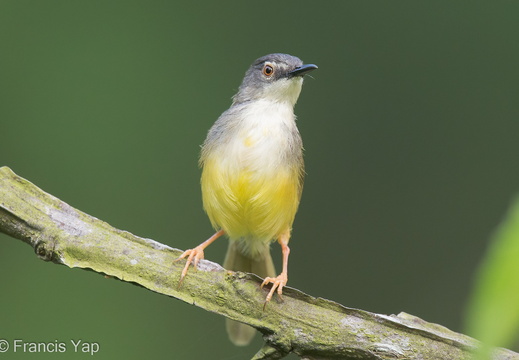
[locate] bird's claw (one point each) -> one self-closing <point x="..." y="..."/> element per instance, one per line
<point x="277" y="284"/>
<point x="193" y="257"/>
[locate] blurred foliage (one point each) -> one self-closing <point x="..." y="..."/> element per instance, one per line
<point x="493" y="311"/>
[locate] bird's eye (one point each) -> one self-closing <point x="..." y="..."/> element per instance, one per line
<point x="268" y="70"/>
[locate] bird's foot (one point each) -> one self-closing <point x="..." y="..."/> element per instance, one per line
<point x="277" y="284"/>
<point x="193" y="257"/>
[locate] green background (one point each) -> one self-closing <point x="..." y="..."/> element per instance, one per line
<point x="410" y="127"/>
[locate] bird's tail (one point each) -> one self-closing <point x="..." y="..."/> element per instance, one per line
<point x="241" y="334"/>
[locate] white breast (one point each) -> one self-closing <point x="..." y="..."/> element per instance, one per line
<point x="264" y="137"/>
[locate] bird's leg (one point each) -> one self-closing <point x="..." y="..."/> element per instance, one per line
<point x="281" y="280"/>
<point x="197" y="254"/>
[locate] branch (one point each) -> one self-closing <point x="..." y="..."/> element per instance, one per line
<point x="312" y="328"/>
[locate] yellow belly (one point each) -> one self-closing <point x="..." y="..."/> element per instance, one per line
<point x="249" y="205"/>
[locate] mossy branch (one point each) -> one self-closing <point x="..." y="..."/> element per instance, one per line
<point x="312" y="328"/>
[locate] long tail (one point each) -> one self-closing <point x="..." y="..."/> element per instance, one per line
<point x="241" y="334"/>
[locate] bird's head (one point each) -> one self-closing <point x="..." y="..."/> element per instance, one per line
<point x="274" y="77"/>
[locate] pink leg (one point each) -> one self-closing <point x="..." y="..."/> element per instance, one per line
<point x="281" y="280"/>
<point x="196" y="254"/>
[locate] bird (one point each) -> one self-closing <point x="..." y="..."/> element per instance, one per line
<point x="252" y="175"/>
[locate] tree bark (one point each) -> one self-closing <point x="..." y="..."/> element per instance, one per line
<point x="313" y="328"/>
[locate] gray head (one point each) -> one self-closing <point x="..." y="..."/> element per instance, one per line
<point x="274" y="77"/>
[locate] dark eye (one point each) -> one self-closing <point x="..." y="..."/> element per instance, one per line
<point x="268" y="70"/>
